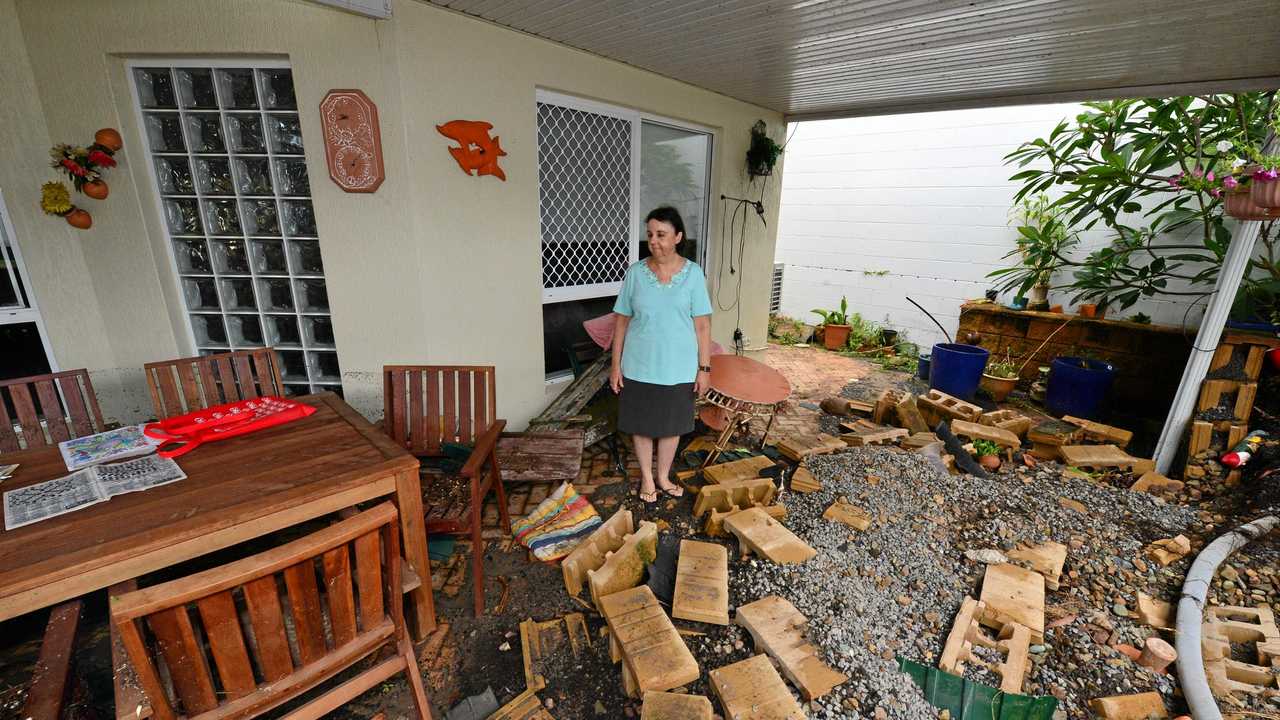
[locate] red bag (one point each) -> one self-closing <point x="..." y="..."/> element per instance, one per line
<point x="184" y="433"/>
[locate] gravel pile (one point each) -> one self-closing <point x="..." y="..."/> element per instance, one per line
<point x="895" y="589"/>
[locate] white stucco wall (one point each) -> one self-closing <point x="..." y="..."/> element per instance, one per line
<point x="435" y="267"/>
<point x="925" y="197"/>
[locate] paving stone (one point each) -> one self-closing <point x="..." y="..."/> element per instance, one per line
<point x="653" y="655"/>
<point x="1012" y="594"/>
<point x="758" y="533"/>
<point x="778" y="629"/>
<point x="736" y="493"/>
<point x="1130" y="707"/>
<point x="803" y="481"/>
<point x="974" y="431"/>
<point x="675" y="706"/>
<point x="590" y="554"/>
<point x="714" y="526"/>
<point x="702" y="583"/>
<point x="753" y="690"/>
<point x="842" y="511"/>
<point x="1104" y="456"/>
<point x="744" y="469"/>
<point x="624" y="567"/>
<point x="799" y="447"/>
<point x="1047" y="558"/>
<point x="1013" y="642"/>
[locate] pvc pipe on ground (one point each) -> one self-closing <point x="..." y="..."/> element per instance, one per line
<point x="1195" y="687"/>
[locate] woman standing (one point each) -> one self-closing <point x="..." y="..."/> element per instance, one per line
<point x="661" y="350"/>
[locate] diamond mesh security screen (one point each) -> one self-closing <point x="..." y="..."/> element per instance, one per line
<point x="584" y="180"/>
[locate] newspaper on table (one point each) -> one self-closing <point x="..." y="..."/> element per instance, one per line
<point x="118" y="444"/>
<point x="83" y="488"/>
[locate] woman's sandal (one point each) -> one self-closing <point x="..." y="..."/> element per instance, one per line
<point x="654" y="499"/>
<point x="674" y="491"/>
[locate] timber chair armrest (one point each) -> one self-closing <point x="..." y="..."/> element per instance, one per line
<point x="486" y="448"/>
<point x="51" y="681"/>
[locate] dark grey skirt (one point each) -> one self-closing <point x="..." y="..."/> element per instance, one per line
<point x="655" y="411"/>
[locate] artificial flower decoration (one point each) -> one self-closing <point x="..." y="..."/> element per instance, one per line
<point x="83" y="166"/>
<point x="55" y="199"/>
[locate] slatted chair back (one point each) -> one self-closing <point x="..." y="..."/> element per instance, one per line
<point x="427" y="405"/>
<point x="190" y="384"/>
<point x="340" y="591"/>
<point x="64" y="400"/>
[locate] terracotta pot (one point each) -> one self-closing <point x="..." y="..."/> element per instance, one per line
<point x="1265" y="193"/>
<point x="1240" y="205"/>
<point x="79" y="219"/>
<point x="109" y="138"/>
<point x="835" y="337"/>
<point x="990" y="462"/>
<point x="1088" y="310"/>
<point x="998" y="387"/>
<point x="972" y="338"/>
<point x="97" y="189"/>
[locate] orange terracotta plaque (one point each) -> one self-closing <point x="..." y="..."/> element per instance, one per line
<point x="352" y="142"/>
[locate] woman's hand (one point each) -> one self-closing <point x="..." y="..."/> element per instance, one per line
<point x="615" y="379"/>
<point x="702" y="383"/>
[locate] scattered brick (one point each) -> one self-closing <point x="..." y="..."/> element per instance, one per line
<point x="753" y="690"/>
<point x="972" y="430"/>
<point x="1156" y="484"/>
<point x="943" y="406"/>
<point x="731" y="494"/>
<point x="758" y="533"/>
<point x="1154" y="612"/>
<point x="714" y="526"/>
<point x="653" y="655"/>
<point x="778" y="629"/>
<point x="1010" y="420"/>
<point x="909" y="415"/>
<point x="803" y="481"/>
<point x="1168" y="550"/>
<point x="624" y="568"/>
<point x="853" y="516"/>
<point x="884" y="406"/>
<point x="1130" y="707"/>
<point x="915" y="441"/>
<point x="1227" y="625"/>
<point x="743" y="469"/>
<point x="1104" y="456"/>
<point x="591" y="553"/>
<point x="1012" y="594"/>
<point x="1047" y="558"/>
<point x="799" y="447"/>
<point x="702" y="583"/>
<point x="1013" y="643"/>
<point x="675" y="706"/>
<point x="1100" y="433"/>
<point x="879" y="436"/>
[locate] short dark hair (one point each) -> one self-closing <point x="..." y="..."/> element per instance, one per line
<point x="669" y="215"/>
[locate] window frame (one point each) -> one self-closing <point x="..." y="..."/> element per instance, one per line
<point x="30" y="311"/>
<point x="314" y="381"/>
<point x="637" y="118"/>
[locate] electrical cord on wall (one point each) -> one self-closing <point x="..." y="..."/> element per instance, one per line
<point x="736" y="256"/>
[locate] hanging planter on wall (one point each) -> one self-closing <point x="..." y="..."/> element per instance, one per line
<point x="55" y="199"/>
<point x="763" y="152"/>
<point x="83" y="166"/>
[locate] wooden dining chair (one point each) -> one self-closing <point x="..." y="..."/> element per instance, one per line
<point x="329" y="600"/>
<point x="429" y="407"/>
<point x="64" y="400"/>
<point x="189" y="384"/>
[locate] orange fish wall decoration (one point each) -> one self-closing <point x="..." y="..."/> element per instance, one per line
<point x="478" y="151"/>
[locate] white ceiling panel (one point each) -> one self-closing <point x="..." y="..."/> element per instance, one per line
<point x="842" y="58"/>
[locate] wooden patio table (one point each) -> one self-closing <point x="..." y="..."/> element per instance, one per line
<point x="235" y="490"/>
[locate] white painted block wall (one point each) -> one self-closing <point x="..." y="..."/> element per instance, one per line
<point x="925" y="197"/>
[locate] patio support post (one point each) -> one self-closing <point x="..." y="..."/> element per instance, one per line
<point x="1234" y="265"/>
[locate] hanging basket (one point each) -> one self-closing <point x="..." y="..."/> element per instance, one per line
<point x="1241" y="205"/>
<point x="1266" y="194"/>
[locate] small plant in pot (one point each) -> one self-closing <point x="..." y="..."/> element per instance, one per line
<point x="1043" y="238"/>
<point x="987" y="453"/>
<point x="835" y="326"/>
<point x="763" y="152"/>
<point x="1000" y="377"/>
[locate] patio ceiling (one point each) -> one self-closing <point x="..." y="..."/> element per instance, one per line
<point x="840" y="58"/>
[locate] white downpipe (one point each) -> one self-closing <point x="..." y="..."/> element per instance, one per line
<point x="1195" y="687"/>
<point x="1215" y="319"/>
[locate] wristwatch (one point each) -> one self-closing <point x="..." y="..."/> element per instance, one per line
<point x="704" y="368"/>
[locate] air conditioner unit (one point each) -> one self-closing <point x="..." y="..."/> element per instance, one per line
<point x="376" y="9"/>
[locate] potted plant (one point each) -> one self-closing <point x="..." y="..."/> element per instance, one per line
<point x="1000" y="377"/>
<point x="835" y="325"/>
<point x="988" y="454"/>
<point x="763" y="152"/>
<point x="1043" y="237"/>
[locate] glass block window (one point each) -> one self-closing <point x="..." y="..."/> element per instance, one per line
<point x="227" y="156"/>
<point x="585" y="201"/>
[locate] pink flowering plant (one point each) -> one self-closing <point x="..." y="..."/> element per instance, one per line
<point x="1154" y="172"/>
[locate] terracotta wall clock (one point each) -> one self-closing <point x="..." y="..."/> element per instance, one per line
<point x="352" y="143"/>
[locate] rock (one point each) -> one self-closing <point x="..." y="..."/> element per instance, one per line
<point x="1120" y="610"/>
<point x="987" y="556"/>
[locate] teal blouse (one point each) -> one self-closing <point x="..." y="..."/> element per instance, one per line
<point x="661" y="346"/>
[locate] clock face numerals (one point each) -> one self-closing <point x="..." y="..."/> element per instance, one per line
<point x="352" y="142"/>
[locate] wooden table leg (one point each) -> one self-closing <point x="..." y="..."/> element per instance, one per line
<point x="422" y="611"/>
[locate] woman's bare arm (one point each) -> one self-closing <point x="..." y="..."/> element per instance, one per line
<point x="702" y="327"/>
<point x="620" y="324"/>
